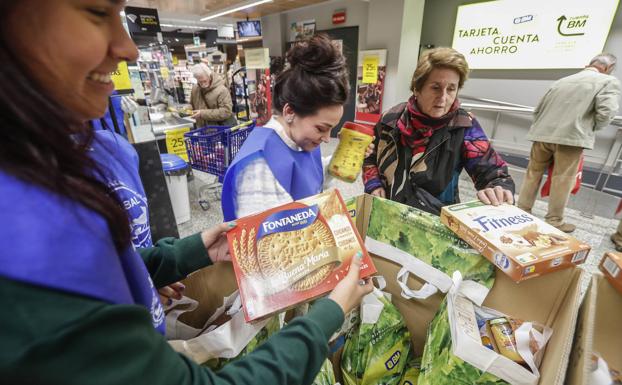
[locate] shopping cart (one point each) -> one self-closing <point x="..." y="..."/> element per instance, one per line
<point x="211" y="149"/>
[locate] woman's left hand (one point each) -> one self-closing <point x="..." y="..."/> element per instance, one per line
<point x="495" y="196"/>
<point x="215" y="241"/>
<point x="369" y="150"/>
<point x="171" y="292"/>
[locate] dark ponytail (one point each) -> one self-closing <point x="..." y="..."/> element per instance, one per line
<point x="43" y="144"/>
<point x="316" y="77"/>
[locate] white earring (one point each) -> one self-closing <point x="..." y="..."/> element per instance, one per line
<point x="289" y="120"/>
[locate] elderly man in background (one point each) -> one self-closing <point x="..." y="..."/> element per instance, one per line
<point x="210" y="99"/>
<point x="565" y="123"/>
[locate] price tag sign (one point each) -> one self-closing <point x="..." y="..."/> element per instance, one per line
<point x="164" y="72"/>
<point x="175" y="143"/>
<point x="121" y="77"/>
<point x="370" y="69"/>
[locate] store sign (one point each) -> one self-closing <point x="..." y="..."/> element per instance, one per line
<point x="339" y="16"/>
<point x="508" y="34"/>
<point x="142" y="19"/>
<point x="121" y="77"/>
<point x="175" y="143"/>
<point x="257" y="58"/>
<point x="370" y="69"/>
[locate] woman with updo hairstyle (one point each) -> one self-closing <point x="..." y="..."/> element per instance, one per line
<point x="281" y="161"/>
<point x="422" y="145"/>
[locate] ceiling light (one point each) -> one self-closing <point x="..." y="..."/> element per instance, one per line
<point x="235" y="8"/>
<point x="185" y="26"/>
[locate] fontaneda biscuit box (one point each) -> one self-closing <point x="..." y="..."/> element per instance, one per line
<point x="294" y="253"/>
<point x="518" y="243"/>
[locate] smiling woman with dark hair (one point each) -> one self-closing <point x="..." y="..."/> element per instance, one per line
<point x="81" y="305"/>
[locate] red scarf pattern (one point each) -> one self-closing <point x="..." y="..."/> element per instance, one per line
<point x="416" y="128"/>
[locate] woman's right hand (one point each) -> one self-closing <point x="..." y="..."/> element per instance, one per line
<point x="379" y="192"/>
<point x="350" y="291"/>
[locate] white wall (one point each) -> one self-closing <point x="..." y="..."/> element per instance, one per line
<point x="515" y="86"/>
<point x="384" y="26"/>
<point x="272" y="33"/>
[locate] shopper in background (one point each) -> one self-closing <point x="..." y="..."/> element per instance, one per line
<point x="210" y="98"/>
<point x="423" y="145"/>
<point x="281" y="161"/>
<point x="83" y="308"/>
<point x="565" y="122"/>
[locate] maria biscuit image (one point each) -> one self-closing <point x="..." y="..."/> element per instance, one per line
<point x="244" y="250"/>
<point x="331" y="206"/>
<point x="280" y="251"/>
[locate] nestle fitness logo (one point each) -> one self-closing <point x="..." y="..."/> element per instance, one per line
<point x="502" y="43"/>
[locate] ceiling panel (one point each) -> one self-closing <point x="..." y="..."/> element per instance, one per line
<point x="199" y="8"/>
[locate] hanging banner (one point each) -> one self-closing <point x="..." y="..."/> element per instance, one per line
<point x="371" y="72"/>
<point x="175" y="143"/>
<point x="259" y="95"/>
<point x="121" y="77"/>
<point x="257" y="58"/>
<point x="532" y="34"/>
<point x="370" y="69"/>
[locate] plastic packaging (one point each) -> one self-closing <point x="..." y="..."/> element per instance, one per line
<point x="348" y="158"/>
<point x="504" y="337"/>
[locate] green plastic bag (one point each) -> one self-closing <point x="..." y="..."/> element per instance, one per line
<point x="440" y="367"/>
<point x="375" y="353"/>
<point x="273" y="326"/>
<point x="326" y="376"/>
<point x="423" y="235"/>
<point x="413" y="369"/>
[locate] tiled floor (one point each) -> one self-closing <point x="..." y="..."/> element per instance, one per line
<point x="593" y="229"/>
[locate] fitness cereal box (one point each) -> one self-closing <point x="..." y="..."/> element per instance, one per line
<point x="294" y="253"/>
<point x="518" y="243"/>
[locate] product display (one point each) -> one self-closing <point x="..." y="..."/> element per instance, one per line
<point x="517" y="242"/>
<point x="294" y="253"/>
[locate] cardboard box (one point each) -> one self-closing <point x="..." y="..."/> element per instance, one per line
<point x="611" y="266"/>
<point x="550" y="300"/>
<point x="518" y="243"/>
<point x="598" y="331"/>
<point x="294" y="253"/>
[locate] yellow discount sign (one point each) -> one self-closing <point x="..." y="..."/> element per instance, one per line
<point x="370" y="69"/>
<point x="175" y="143"/>
<point x="121" y="77"/>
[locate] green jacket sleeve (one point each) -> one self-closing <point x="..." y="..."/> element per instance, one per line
<point x="172" y="259"/>
<point x="59" y="338"/>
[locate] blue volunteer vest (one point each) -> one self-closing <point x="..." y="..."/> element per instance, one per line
<point x="300" y="173"/>
<point x="56" y="243"/>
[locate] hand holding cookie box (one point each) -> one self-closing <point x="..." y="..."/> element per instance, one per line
<point x="294" y="253"/>
<point x="518" y="243"/>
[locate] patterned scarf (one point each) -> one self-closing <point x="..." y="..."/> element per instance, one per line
<point x="416" y="127"/>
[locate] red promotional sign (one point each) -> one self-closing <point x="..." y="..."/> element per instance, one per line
<point x="339" y="16"/>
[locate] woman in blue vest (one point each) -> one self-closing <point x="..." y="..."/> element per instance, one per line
<point x="81" y="305"/>
<point x="281" y="161"/>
